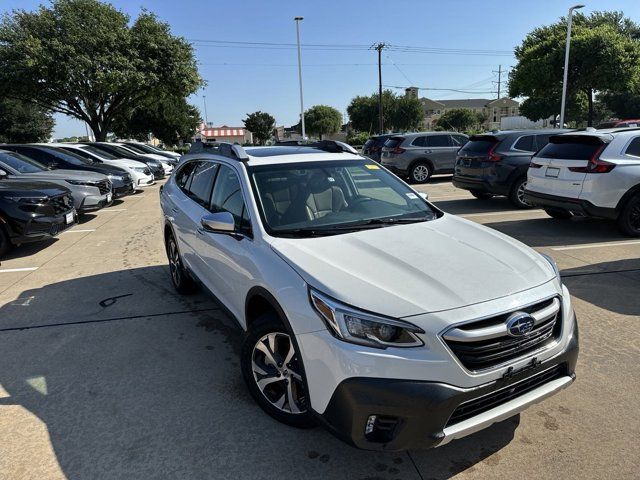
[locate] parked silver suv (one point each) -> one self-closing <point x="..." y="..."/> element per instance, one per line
<point x="420" y="155"/>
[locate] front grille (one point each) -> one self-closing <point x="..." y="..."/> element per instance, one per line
<point x="479" y="405"/>
<point x="61" y="204"/>
<point x="486" y="343"/>
<point x="147" y="171"/>
<point x="104" y="186"/>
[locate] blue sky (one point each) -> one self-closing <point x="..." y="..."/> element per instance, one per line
<point x="242" y="80"/>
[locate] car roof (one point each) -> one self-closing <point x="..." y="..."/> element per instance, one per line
<point x="422" y="134"/>
<point x="278" y="155"/>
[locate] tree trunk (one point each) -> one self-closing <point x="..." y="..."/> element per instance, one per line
<point x="590" y="98"/>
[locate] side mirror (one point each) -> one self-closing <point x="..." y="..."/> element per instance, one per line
<point x="3" y="174"/>
<point x="424" y="195"/>
<point x="221" y="222"/>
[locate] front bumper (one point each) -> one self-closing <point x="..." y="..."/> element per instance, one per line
<point x="574" y="205"/>
<point x="416" y="414"/>
<point x="91" y="203"/>
<point x="41" y="227"/>
<point x="123" y="189"/>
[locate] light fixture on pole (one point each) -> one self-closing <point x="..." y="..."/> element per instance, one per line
<point x="297" y="20"/>
<point x="566" y="63"/>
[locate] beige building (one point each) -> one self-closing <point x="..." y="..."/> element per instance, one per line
<point x="493" y="110"/>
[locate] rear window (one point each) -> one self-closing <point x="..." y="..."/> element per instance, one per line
<point x="393" y="142"/>
<point x="369" y="143"/>
<point x="479" y="145"/>
<point x="571" y="148"/>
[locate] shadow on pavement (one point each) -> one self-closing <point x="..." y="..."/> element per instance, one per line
<point x="148" y="385"/>
<point x="611" y="285"/>
<point x="27" y="249"/>
<point x="473" y="205"/>
<point x="542" y="232"/>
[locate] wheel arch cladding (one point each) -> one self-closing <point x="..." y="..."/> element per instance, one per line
<point x="425" y="160"/>
<point x="259" y="301"/>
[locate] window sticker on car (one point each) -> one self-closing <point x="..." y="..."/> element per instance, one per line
<point x="412" y="196"/>
<point x="372" y="167"/>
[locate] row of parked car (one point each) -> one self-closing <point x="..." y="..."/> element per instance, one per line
<point x="45" y="186"/>
<point x="590" y="172"/>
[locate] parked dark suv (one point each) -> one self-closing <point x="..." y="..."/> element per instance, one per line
<point x="31" y="211"/>
<point x="496" y="163"/>
<point x="372" y="148"/>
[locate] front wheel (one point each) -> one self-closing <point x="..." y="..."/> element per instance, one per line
<point x="420" y="173"/>
<point x="629" y="219"/>
<point x="273" y="372"/>
<point x="180" y="278"/>
<point x="558" y="213"/>
<point x="516" y="195"/>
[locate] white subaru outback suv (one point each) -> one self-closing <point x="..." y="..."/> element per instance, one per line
<point x="365" y="307"/>
<point x="594" y="173"/>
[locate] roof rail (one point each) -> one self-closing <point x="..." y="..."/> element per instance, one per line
<point x="333" y="146"/>
<point x="226" y="149"/>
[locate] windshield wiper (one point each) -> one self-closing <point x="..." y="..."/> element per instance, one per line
<point x="378" y="222"/>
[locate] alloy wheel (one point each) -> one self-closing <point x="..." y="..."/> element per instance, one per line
<point x="174" y="262"/>
<point x="420" y="173"/>
<point x="520" y="193"/>
<point x="277" y="373"/>
<point x="634" y="217"/>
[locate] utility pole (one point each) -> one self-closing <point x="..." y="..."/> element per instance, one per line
<point x="379" y="47"/>
<point x="298" y="20"/>
<point x="566" y="63"/>
<point x="499" y="82"/>
<point x="206" y="117"/>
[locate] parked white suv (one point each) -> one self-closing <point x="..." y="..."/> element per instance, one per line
<point x="365" y="307"/>
<point x="593" y="173"/>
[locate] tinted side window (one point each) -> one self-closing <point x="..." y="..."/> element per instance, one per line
<point x="525" y="143"/>
<point x="459" y="140"/>
<point x="438" y="141"/>
<point x="634" y="147"/>
<point x="202" y="182"/>
<point x="184" y="174"/>
<point x="419" y="142"/>
<point x="227" y="197"/>
<point x="542" y="140"/>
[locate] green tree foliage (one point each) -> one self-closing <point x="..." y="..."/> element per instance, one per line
<point x="458" y="119"/>
<point x="170" y="119"/>
<point x="322" y="120"/>
<point x="621" y="104"/>
<point x="84" y="58"/>
<point x="23" y="122"/>
<point x="357" y="138"/>
<point x="398" y="113"/>
<point x="605" y="56"/>
<point x="261" y="124"/>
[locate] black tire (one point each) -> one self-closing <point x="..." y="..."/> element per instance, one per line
<point x="629" y="218"/>
<point x="481" y="195"/>
<point x="420" y="172"/>
<point x="516" y="195"/>
<point x="558" y="213"/>
<point x="284" y="396"/>
<point x="180" y="278"/>
<point x="5" y="243"/>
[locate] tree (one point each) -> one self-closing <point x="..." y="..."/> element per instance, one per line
<point x="261" y="124"/>
<point x="458" y="119"/>
<point x="170" y="119"/>
<point x="605" y="55"/>
<point x="322" y="120"/>
<point x="22" y="122"/>
<point x="621" y="104"/>
<point x="83" y="58"/>
<point x="398" y="113"/>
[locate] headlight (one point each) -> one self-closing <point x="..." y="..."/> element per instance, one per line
<point x="28" y="200"/>
<point x="80" y="182"/>
<point x="139" y="169"/>
<point x="553" y="264"/>
<point x="118" y="178"/>
<point x="363" y="328"/>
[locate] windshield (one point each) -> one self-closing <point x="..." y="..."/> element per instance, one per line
<point x="142" y="148"/>
<point x="98" y="153"/>
<point x="20" y="163"/>
<point x="135" y="148"/>
<point x="69" y="157"/>
<point x="332" y="197"/>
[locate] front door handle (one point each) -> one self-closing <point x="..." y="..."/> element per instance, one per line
<point x="427" y="151"/>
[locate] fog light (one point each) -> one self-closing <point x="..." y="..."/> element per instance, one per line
<point x="370" y="424"/>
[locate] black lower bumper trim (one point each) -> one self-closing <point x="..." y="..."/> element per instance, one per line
<point x="420" y="410"/>
<point x="478" y="185"/>
<point x="574" y="205"/>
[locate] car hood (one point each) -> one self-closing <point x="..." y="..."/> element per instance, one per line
<point x="81" y="175"/>
<point x="106" y="169"/>
<point x="418" y="268"/>
<point x="29" y="188"/>
<point x="125" y="162"/>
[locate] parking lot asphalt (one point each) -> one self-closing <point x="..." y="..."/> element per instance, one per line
<point x="107" y="373"/>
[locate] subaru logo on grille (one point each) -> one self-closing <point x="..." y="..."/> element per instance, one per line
<point x="519" y="324"/>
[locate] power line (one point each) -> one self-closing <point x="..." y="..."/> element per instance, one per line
<point x="442" y="89"/>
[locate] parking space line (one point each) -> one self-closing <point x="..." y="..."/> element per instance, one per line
<point x="80" y="231"/>
<point x="490" y="214"/>
<point x="113" y="210"/>
<point x="23" y="269"/>
<point x="597" y="245"/>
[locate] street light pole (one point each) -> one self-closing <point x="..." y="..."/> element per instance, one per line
<point x="566" y="62"/>
<point x="297" y="20"/>
<point x="206" y="117"/>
